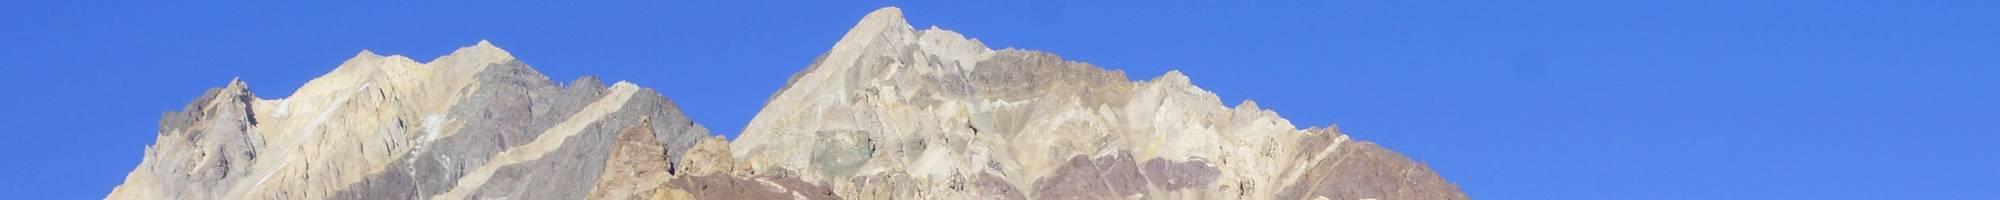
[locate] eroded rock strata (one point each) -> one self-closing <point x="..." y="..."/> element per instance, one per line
<point x="890" y="112"/>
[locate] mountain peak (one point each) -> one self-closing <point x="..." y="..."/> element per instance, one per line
<point x="889" y="112"/>
<point x="884" y="13"/>
<point x="482" y="52"/>
<point x="365" y="54"/>
<point x="881" y="21"/>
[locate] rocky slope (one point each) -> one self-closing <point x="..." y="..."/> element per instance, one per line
<point x="891" y="112"/>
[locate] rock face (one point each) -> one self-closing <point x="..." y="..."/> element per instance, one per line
<point x="475" y="123"/>
<point x="891" y="112"/>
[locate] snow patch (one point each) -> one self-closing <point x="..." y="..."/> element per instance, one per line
<point x="281" y="110"/>
<point x="433" y="124"/>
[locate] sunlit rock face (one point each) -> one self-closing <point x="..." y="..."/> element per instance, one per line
<point x="890" y="112"/>
<point x="897" y="112"/>
<point x="475" y="123"/>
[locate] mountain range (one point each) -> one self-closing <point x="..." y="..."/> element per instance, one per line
<point x="889" y="112"/>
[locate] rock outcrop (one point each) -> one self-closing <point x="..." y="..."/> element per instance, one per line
<point x="890" y="112"/>
<point x="475" y="123"/>
<point x="932" y="114"/>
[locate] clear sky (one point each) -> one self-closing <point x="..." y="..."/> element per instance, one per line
<point x="1536" y="99"/>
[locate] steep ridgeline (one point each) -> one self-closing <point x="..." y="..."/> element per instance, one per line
<point x="895" y="112"/>
<point x="476" y="123"/>
<point x="891" y="112"/>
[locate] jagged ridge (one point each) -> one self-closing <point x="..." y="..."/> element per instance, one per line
<point x="890" y="112"/>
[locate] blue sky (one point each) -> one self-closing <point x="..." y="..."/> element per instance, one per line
<point x="1533" y="99"/>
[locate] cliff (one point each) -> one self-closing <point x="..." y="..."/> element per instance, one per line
<point x="890" y="112"/>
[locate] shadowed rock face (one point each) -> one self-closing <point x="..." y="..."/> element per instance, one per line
<point x="500" y="114"/>
<point x="760" y="187"/>
<point x="1359" y="170"/>
<point x="205" y="147"/>
<point x="1111" y="177"/>
<point x="890" y="112"/>
<point x="1176" y="175"/>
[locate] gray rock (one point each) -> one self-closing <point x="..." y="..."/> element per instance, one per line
<point x="890" y="112"/>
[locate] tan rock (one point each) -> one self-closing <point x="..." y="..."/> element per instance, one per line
<point x="708" y="157"/>
<point x="388" y="127"/>
<point x="637" y="164"/>
<point x="889" y="112"/>
<point x="927" y="111"/>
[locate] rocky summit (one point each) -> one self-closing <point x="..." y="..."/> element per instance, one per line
<point x="890" y="112"/>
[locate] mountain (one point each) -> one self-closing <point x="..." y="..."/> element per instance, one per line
<point x="890" y="112"/>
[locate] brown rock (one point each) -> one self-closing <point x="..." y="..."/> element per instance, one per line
<point x="637" y="164"/>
